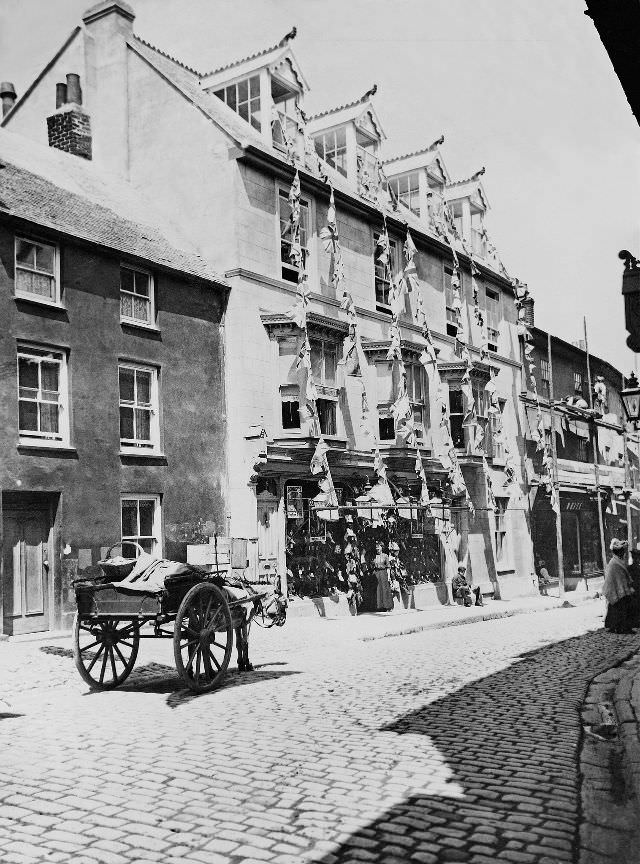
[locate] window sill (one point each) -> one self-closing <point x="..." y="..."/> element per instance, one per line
<point x="138" y="325"/>
<point x="39" y="301"/>
<point x="383" y="307"/>
<point x="43" y="444"/>
<point x="142" y="454"/>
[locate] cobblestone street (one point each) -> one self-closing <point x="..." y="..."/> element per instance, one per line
<point x="458" y="744"/>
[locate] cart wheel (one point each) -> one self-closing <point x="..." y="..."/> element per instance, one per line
<point x="203" y="638"/>
<point x="105" y="650"/>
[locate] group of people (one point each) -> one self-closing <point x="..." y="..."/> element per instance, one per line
<point x="621" y="589"/>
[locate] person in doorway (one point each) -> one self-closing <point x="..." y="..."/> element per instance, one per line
<point x="381" y="569"/>
<point x="618" y="590"/>
<point x="544" y="580"/>
<point x="462" y="590"/>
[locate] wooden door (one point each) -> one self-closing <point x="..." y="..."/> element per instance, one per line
<point x="267" y="529"/>
<point x="26" y="572"/>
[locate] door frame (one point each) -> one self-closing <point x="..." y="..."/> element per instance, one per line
<point x="26" y="501"/>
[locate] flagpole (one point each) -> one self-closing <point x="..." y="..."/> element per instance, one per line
<point x="554" y="479"/>
<point x="593" y="433"/>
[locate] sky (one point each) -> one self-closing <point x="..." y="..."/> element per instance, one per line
<point x="524" y="89"/>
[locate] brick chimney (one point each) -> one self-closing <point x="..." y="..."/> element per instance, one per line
<point x="70" y="128"/>
<point x="527" y="305"/>
<point x="7" y="96"/>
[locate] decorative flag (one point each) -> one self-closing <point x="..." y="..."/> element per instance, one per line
<point x="410" y="270"/>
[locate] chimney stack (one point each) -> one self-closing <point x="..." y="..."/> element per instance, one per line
<point x="7" y="96"/>
<point x="70" y="128"/>
<point x="528" y="304"/>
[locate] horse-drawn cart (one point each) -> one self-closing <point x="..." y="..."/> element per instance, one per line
<point x="198" y="610"/>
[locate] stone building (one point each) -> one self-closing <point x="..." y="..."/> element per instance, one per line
<point x="111" y="393"/>
<point x="592" y="469"/>
<point x="219" y="152"/>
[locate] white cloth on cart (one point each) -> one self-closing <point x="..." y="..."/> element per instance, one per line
<point x="149" y="574"/>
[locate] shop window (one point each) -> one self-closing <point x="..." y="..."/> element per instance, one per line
<point x="332" y="147"/>
<point x="452" y="326"/>
<point x="289" y="270"/>
<point x="501" y="529"/>
<point x="136" y="296"/>
<point x="383" y="272"/>
<point x="243" y="97"/>
<point x="456" y="416"/>
<point x="37" y="271"/>
<point x="42" y="396"/>
<point x="141" y="524"/>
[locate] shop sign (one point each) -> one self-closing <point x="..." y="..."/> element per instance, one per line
<point x="294" y="502"/>
<point x="575" y="504"/>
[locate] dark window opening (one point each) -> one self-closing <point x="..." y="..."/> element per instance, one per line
<point x="290" y="415"/>
<point x="386" y="428"/>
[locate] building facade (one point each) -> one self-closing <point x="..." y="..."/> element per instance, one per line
<point x="429" y="305"/>
<point x="596" y="466"/>
<point x="112" y="386"/>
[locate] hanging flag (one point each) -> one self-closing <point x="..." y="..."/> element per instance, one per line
<point x="410" y="270"/>
<point x="319" y="463"/>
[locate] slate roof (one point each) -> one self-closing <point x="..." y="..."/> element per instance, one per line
<point x="420" y="152"/>
<point x="70" y="195"/>
<point x="361" y="101"/>
<point x="281" y="44"/>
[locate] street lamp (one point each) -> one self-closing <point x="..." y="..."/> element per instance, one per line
<point x="631" y="399"/>
<point x="631" y="294"/>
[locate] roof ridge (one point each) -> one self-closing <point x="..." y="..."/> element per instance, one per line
<point x="434" y="146"/>
<point x="475" y="176"/>
<point x="281" y="44"/>
<point x="364" y="98"/>
<point x="168" y="56"/>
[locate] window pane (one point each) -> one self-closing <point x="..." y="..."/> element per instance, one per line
<point x="141" y="309"/>
<point x="28" y="416"/>
<point x="341" y="137"/>
<point x="230" y="96"/>
<point x="50" y="376"/>
<point x="316" y="361"/>
<point x="126" y="306"/>
<point x="45" y="258"/>
<point x="387" y="429"/>
<point x="243" y="91"/>
<point x="143" y="381"/>
<point x="146" y="518"/>
<point x="141" y="282"/>
<point x="330" y="364"/>
<point x="143" y="424"/>
<point x="290" y="415"/>
<point x="25" y="253"/>
<point x="27" y="373"/>
<point x="254" y="86"/>
<point x="127" y="377"/>
<point x="127" y="279"/>
<point x="126" y="423"/>
<point x="385" y="383"/>
<point x="147" y="545"/>
<point x="48" y="418"/>
<point x="327" y="416"/>
<point x="129" y="518"/>
<point x="243" y="111"/>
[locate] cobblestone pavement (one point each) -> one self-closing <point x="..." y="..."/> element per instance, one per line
<point x="459" y="744"/>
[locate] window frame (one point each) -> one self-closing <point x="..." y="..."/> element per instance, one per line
<point x="38" y="353"/>
<point x="381" y="305"/>
<point x="134" y="322"/>
<point x="157" y="521"/>
<point x="327" y="391"/>
<point x="251" y="112"/>
<point x="451" y="414"/>
<point x="578" y="376"/>
<point x="138" y="448"/>
<point x="422" y="403"/>
<point x="55" y="276"/>
<point x="283" y="195"/>
<point x="336" y="155"/>
<point x="451" y="326"/>
<point x="409" y="194"/>
<point x="545" y="379"/>
<point x="493" y="315"/>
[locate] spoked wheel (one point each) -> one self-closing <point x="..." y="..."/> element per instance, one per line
<point x="203" y="638"/>
<point x="105" y="651"/>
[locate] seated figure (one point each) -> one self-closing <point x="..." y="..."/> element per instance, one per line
<point x="462" y="591"/>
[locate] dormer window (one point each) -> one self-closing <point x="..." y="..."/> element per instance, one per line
<point x="406" y="190"/>
<point x="243" y="97"/>
<point x="478" y="241"/>
<point x="332" y="147"/>
<point x="284" y="125"/>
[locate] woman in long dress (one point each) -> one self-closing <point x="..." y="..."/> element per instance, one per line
<point x="618" y="590"/>
<point x="384" y="597"/>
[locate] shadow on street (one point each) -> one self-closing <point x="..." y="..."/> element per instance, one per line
<point x="511" y="745"/>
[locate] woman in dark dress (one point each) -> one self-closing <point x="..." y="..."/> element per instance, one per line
<point x="618" y="590"/>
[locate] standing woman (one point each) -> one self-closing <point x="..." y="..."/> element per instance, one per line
<point x="618" y="590"/>
<point x="381" y="570"/>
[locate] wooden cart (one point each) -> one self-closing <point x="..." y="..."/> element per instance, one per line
<point x="196" y="610"/>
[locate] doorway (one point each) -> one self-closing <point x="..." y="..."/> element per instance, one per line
<point x="26" y="583"/>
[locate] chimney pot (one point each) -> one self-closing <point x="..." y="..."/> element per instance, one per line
<point x="61" y="95"/>
<point x="7" y="96"/>
<point x="74" y="93"/>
